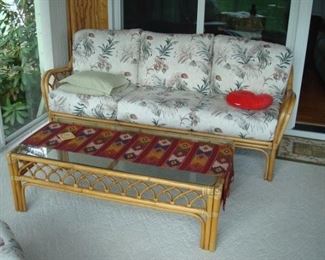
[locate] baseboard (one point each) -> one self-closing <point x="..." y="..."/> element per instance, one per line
<point x="310" y="127"/>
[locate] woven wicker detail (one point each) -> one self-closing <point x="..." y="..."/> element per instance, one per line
<point x="55" y="78"/>
<point x="133" y="188"/>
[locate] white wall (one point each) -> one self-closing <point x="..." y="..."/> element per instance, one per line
<point x="51" y="24"/>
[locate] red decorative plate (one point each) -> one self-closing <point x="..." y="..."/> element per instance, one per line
<point x="249" y="100"/>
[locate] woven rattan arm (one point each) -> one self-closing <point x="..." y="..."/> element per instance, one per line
<point x="285" y="112"/>
<point x="51" y="78"/>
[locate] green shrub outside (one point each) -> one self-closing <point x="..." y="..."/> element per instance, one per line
<point x="19" y="64"/>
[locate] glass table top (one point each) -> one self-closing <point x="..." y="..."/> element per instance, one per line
<point x="117" y="165"/>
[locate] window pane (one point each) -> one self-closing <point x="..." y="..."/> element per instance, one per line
<point x="258" y="19"/>
<point x="20" y="93"/>
<point x="171" y="16"/>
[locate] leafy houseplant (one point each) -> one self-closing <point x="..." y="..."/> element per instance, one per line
<point x="19" y="64"/>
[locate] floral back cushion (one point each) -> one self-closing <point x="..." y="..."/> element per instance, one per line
<point x="116" y="52"/>
<point x="241" y="64"/>
<point x="175" y="61"/>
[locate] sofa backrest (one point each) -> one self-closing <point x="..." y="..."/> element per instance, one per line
<point x="175" y="61"/>
<point x="116" y="52"/>
<point x="197" y="62"/>
<point x="238" y="63"/>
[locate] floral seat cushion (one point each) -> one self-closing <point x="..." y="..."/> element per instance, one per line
<point x="192" y="111"/>
<point x="104" y="107"/>
<point x="216" y="116"/>
<point x="158" y="106"/>
<point x="9" y="248"/>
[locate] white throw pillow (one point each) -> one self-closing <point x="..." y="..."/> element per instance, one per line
<point x="93" y="83"/>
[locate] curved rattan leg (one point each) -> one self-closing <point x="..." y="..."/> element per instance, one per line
<point x="266" y="153"/>
<point x="271" y="163"/>
<point x="214" y="221"/>
<point x="23" y="198"/>
<point x="17" y="189"/>
<point x="207" y="223"/>
<point x="210" y="228"/>
<point x="267" y="163"/>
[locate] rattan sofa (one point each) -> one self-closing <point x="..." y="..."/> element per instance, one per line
<point x="178" y="84"/>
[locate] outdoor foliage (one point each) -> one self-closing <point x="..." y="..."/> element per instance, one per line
<point x="19" y="64"/>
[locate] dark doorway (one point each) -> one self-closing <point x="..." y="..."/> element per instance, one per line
<point x="311" y="108"/>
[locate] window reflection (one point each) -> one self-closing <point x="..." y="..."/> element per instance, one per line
<point x="169" y="16"/>
<point x="254" y="19"/>
<point x="259" y="19"/>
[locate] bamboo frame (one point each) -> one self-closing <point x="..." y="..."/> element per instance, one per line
<point x="268" y="148"/>
<point x="26" y="171"/>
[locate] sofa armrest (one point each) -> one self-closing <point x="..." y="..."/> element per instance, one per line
<point x="285" y="112"/>
<point x="51" y="78"/>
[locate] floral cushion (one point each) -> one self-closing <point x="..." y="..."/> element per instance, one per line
<point x="104" y="107"/>
<point x="257" y="66"/>
<point x="9" y="248"/>
<point x="158" y="106"/>
<point x="216" y="116"/>
<point x="116" y="52"/>
<point x="190" y="110"/>
<point x="175" y="61"/>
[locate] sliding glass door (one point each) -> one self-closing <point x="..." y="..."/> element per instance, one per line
<point x="167" y="16"/>
<point x="259" y="19"/>
<point x="20" y="94"/>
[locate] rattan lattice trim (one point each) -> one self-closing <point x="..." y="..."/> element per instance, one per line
<point x="55" y="78"/>
<point x="139" y="189"/>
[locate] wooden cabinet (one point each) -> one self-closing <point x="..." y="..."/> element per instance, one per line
<point x="83" y="14"/>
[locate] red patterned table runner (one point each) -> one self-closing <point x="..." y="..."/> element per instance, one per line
<point x="204" y="158"/>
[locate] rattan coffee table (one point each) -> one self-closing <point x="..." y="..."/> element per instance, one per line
<point x="169" y="189"/>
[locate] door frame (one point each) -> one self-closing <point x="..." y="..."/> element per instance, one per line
<point x="2" y="133"/>
<point x="52" y="37"/>
<point x="297" y="40"/>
